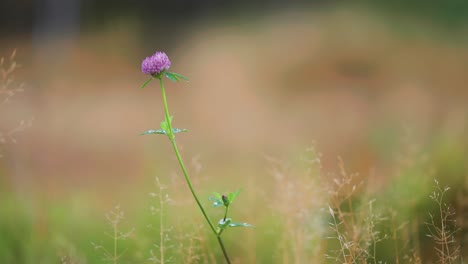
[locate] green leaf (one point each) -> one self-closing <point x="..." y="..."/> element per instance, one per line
<point x="233" y="195"/>
<point x="171" y="77"/>
<point x="180" y="76"/>
<point x="216" y="202"/>
<point x="179" y="130"/>
<point x="175" y="77"/>
<point x="224" y="223"/>
<point x="146" y="83"/>
<point x="234" y="224"/>
<point x="218" y="195"/>
<point x="159" y="131"/>
<point x="164" y="125"/>
<point x="164" y="131"/>
<point x="227" y="222"/>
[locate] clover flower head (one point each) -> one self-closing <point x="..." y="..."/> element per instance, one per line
<point x="156" y="64"/>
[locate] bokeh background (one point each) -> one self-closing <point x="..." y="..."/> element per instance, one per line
<point x="381" y="84"/>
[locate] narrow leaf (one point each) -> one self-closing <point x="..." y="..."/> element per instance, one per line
<point x="233" y="195"/>
<point x="164" y="131"/>
<point x="216" y="202"/>
<point x="159" y="131"/>
<point x="175" y="77"/>
<point x="218" y="195"/>
<point x="171" y="76"/>
<point x="179" y="130"/>
<point x="234" y="224"/>
<point x="146" y="83"/>
<point x="224" y="223"/>
<point x="180" y="76"/>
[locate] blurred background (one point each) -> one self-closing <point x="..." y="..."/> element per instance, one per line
<point x="381" y="84"/>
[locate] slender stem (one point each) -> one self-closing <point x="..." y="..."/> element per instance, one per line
<point x="179" y="158"/>
<point x="171" y="136"/>
<point x="174" y="145"/>
<point x="226" y="212"/>
<point x="222" y="247"/>
<point x="115" y="243"/>
<point x="442" y="223"/>
<point x="224" y="219"/>
<point x="166" y="108"/>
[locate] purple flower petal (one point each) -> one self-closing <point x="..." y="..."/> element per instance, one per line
<point x="155" y="64"/>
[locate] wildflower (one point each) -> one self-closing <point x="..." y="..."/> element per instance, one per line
<point x="156" y="64"/>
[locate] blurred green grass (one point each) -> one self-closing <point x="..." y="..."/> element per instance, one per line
<point x="48" y="230"/>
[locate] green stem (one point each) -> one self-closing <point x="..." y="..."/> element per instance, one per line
<point x="226" y="213"/>
<point x="115" y="243"/>
<point x="223" y="249"/>
<point x="171" y="136"/>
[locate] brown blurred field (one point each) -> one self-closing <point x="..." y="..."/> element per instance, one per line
<point x="256" y="89"/>
<point x="347" y="82"/>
